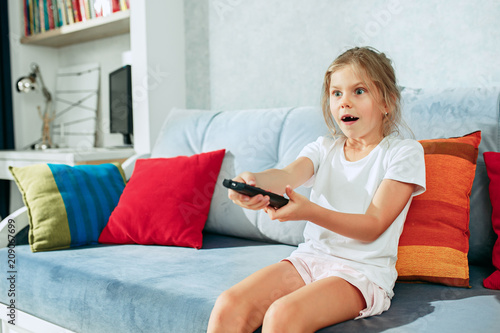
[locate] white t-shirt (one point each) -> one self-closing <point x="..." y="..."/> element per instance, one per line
<point x="349" y="187"/>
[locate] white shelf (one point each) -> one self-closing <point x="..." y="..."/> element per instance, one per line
<point x="100" y="27"/>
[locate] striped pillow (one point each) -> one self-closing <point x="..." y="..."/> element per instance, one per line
<point x="68" y="206"/>
<point x="435" y="240"/>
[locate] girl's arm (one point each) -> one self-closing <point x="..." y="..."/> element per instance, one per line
<point x="390" y="199"/>
<point x="273" y="180"/>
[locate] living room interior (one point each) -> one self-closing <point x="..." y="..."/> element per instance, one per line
<point x="253" y="55"/>
<point x="239" y="54"/>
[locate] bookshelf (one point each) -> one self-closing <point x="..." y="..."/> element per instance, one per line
<point x="96" y="28"/>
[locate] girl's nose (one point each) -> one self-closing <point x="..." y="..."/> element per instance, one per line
<point x="345" y="103"/>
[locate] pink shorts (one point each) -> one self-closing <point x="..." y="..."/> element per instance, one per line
<point x="313" y="268"/>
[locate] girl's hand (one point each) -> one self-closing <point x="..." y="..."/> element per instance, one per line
<point x="255" y="203"/>
<point x="295" y="210"/>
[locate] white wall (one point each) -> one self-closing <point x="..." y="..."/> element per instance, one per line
<point x="263" y="53"/>
<point x="158" y="73"/>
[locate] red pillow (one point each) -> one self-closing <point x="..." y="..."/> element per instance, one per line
<point x="166" y="201"/>
<point x="492" y="161"/>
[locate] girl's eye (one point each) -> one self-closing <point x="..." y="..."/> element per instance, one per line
<point x="359" y="91"/>
<point x="337" y="93"/>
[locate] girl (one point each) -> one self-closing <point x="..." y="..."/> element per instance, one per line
<point x="363" y="180"/>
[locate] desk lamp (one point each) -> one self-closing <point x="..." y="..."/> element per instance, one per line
<point x="28" y="83"/>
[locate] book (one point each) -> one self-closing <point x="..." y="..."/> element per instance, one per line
<point x="92" y="9"/>
<point x="42" y="15"/>
<point x="98" y="9"/>
<point x="61" y="6"/>
<point x="32" y="16"/>
<point x="77" y="16"/>
<point x="55" y="13"/>
<point x="46" y="15"/>
<point x="103" y="7"/>
<point x="123" y="5"/>
<point x="69" y="11"/>
<point x="26" y="18"/>
<point x="38" y="26"/>
<point x="115" y="5"/>
<point x="87" y="9"/>
<point x="83" y="11"/>
<point x="49" y="15"/>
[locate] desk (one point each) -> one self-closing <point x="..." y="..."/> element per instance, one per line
<point x="69" y="156"/>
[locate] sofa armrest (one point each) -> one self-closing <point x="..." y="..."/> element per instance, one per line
<point x="21" y="220"/>
<point x="129" y="164"/>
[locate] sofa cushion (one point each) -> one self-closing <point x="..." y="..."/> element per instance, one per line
<point x="255" y="140"/>
<point x="134" y="288"/>
<point x="435" y="240"/>
<point x="166" y="201"/>
<point x="492" y="160"/>
<point x="68" y="206"/>
<point x="444" y="113"/>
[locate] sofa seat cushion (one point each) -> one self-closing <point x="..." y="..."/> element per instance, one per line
<point x="137" y="288"/>
<point x="422" y="307"/>
<point x="134" y="288"/>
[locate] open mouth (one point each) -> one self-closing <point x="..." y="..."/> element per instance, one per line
<point x="348" y="118"/>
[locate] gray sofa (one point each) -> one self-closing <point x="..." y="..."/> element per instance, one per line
<point x="136" y="288"/>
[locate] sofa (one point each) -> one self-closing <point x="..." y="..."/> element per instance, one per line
<point x="158" y="288"/>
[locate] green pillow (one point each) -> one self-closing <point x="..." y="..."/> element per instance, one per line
<point x="68" y="206"/>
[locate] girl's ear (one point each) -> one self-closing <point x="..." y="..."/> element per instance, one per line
<point x="387" y="109"/>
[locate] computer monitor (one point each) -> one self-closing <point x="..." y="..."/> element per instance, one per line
<point x="120" y="103"/>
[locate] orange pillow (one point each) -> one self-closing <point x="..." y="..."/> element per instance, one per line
<point x="435" y="240"/>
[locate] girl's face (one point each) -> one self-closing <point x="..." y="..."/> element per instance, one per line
<point x="356" y="110"/>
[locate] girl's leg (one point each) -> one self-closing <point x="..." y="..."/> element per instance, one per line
<point x="317" y="305"/>
<point x="242" y="307"/>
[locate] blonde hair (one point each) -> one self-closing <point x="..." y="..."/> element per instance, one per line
<point x="376" y="71"/>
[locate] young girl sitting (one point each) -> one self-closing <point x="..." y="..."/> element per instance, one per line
<point x="363" y="180"/>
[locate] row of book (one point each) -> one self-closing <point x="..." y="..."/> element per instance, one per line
<point x="45" y="15"/>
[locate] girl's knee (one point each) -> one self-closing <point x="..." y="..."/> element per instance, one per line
<point x="282" y="316"/>
<point x="230" y="314"/>
<point x="224" y="307"/>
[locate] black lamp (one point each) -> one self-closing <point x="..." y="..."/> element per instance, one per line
<point x="28" y="83"/>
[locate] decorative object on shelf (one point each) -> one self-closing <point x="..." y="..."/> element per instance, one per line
<point x="76" y="101"/>
<point x="28" y="83"/>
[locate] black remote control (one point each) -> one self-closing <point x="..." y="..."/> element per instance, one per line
<point x="276" y="201"/>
